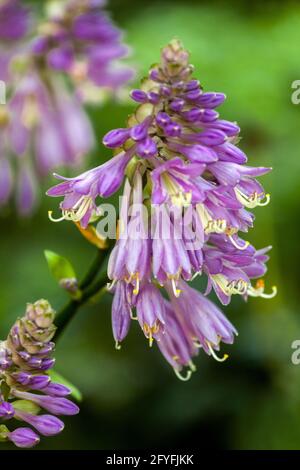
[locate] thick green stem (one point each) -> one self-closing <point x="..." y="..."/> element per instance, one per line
<point x="94" y="269"/>
<point x="89" y="288"/>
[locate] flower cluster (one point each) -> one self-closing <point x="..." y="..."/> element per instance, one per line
<point x="47" y="66"/>
<point x="80" y="39"/>
<point x="186" y="198"/>
<point x="25" y="384"/>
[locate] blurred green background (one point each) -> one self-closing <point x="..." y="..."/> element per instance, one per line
<point x="132" y="398"/>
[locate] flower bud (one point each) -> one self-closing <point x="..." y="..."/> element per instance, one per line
<point x="6" y="410"/>
<point x="116" y="138"/>
<point x="47" y="425"/>
<point x="24" y="437"/>
<point x="41" y="313"/>
<point x="56" y="389"/>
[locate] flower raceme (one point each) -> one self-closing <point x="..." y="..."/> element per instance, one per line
<point x="25" y="384"/>
<point x="182" y="166"/>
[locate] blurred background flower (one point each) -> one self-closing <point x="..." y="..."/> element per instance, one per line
<point x="52" y="63"/>
<point x="131" y="398"/>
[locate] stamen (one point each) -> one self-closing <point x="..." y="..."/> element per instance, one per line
<point x="238" y="286"/>
<point x="253" y="200"/>
<point x="210" y="225"/>
<point x="215" y="226"/>
<point x="178" y="197"/>
<point x="195" y="275"/>
<point x="213" y="353"/>
<point x="239" y="247"/>
<point x="258" y="290"/>
<point x="266" y="202"/>
<point x="117" y="346"/>
<point x="132" y="316"/>
<point x="181" y="199"/>
<point x="271" y="295"/>
<point x="110" y="285"/>
<point x="137" y="284"/>
<point x="150" y="331"/>
<point x="176" y="291"/>
<point x="150" y="338"/>
<point x="182" y="377"/>
<point x="77" y="212"/>
<point x="53" y="219"/>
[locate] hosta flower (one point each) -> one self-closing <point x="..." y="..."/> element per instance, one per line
<point x="14" y="20"/>
<point x="186" y="200"/>
<point x="79" y="38"/>
<point x="26" y="387"/>
<point x="50" y="123"/>
<point x="81" y="192"/>
<point x="202" y="325"/>
<point x="44" y="125"/>
<point x="14" y="25"/>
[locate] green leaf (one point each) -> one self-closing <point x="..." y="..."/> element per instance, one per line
<point x="56" y="377"/>
<point x="60" y="267"/>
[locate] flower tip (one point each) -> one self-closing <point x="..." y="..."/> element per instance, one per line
<point x="183" y="378"/>
<point x="53" y="219"/>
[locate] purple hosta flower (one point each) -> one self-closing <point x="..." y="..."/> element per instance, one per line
<point x="175" y="343"/>
<point x="80" y="192"/>
<point x="150" y="310"/>
<point x="130" y="258"/>
<point x="46" y="122"/>
<point x="222" y="213"/>
<point x="230" y="271"/>
<point x="192" y="322"/>
<point x="26" y="196"/>
<point x="46" y="126"/>
<point x="14" y="20"/>
<point x="170" y="256"/>
<point x="203" y="322"/>
<point x="14" y="26"/>
<point x="25" y="358"/>
<point x="80" y="39"/>
<point x="248" y="191"/>
<point x="49" y="121"/>
<point x="121" y="312"/>
<point x="174" y="181"/>
<point x="6" y="171"/>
